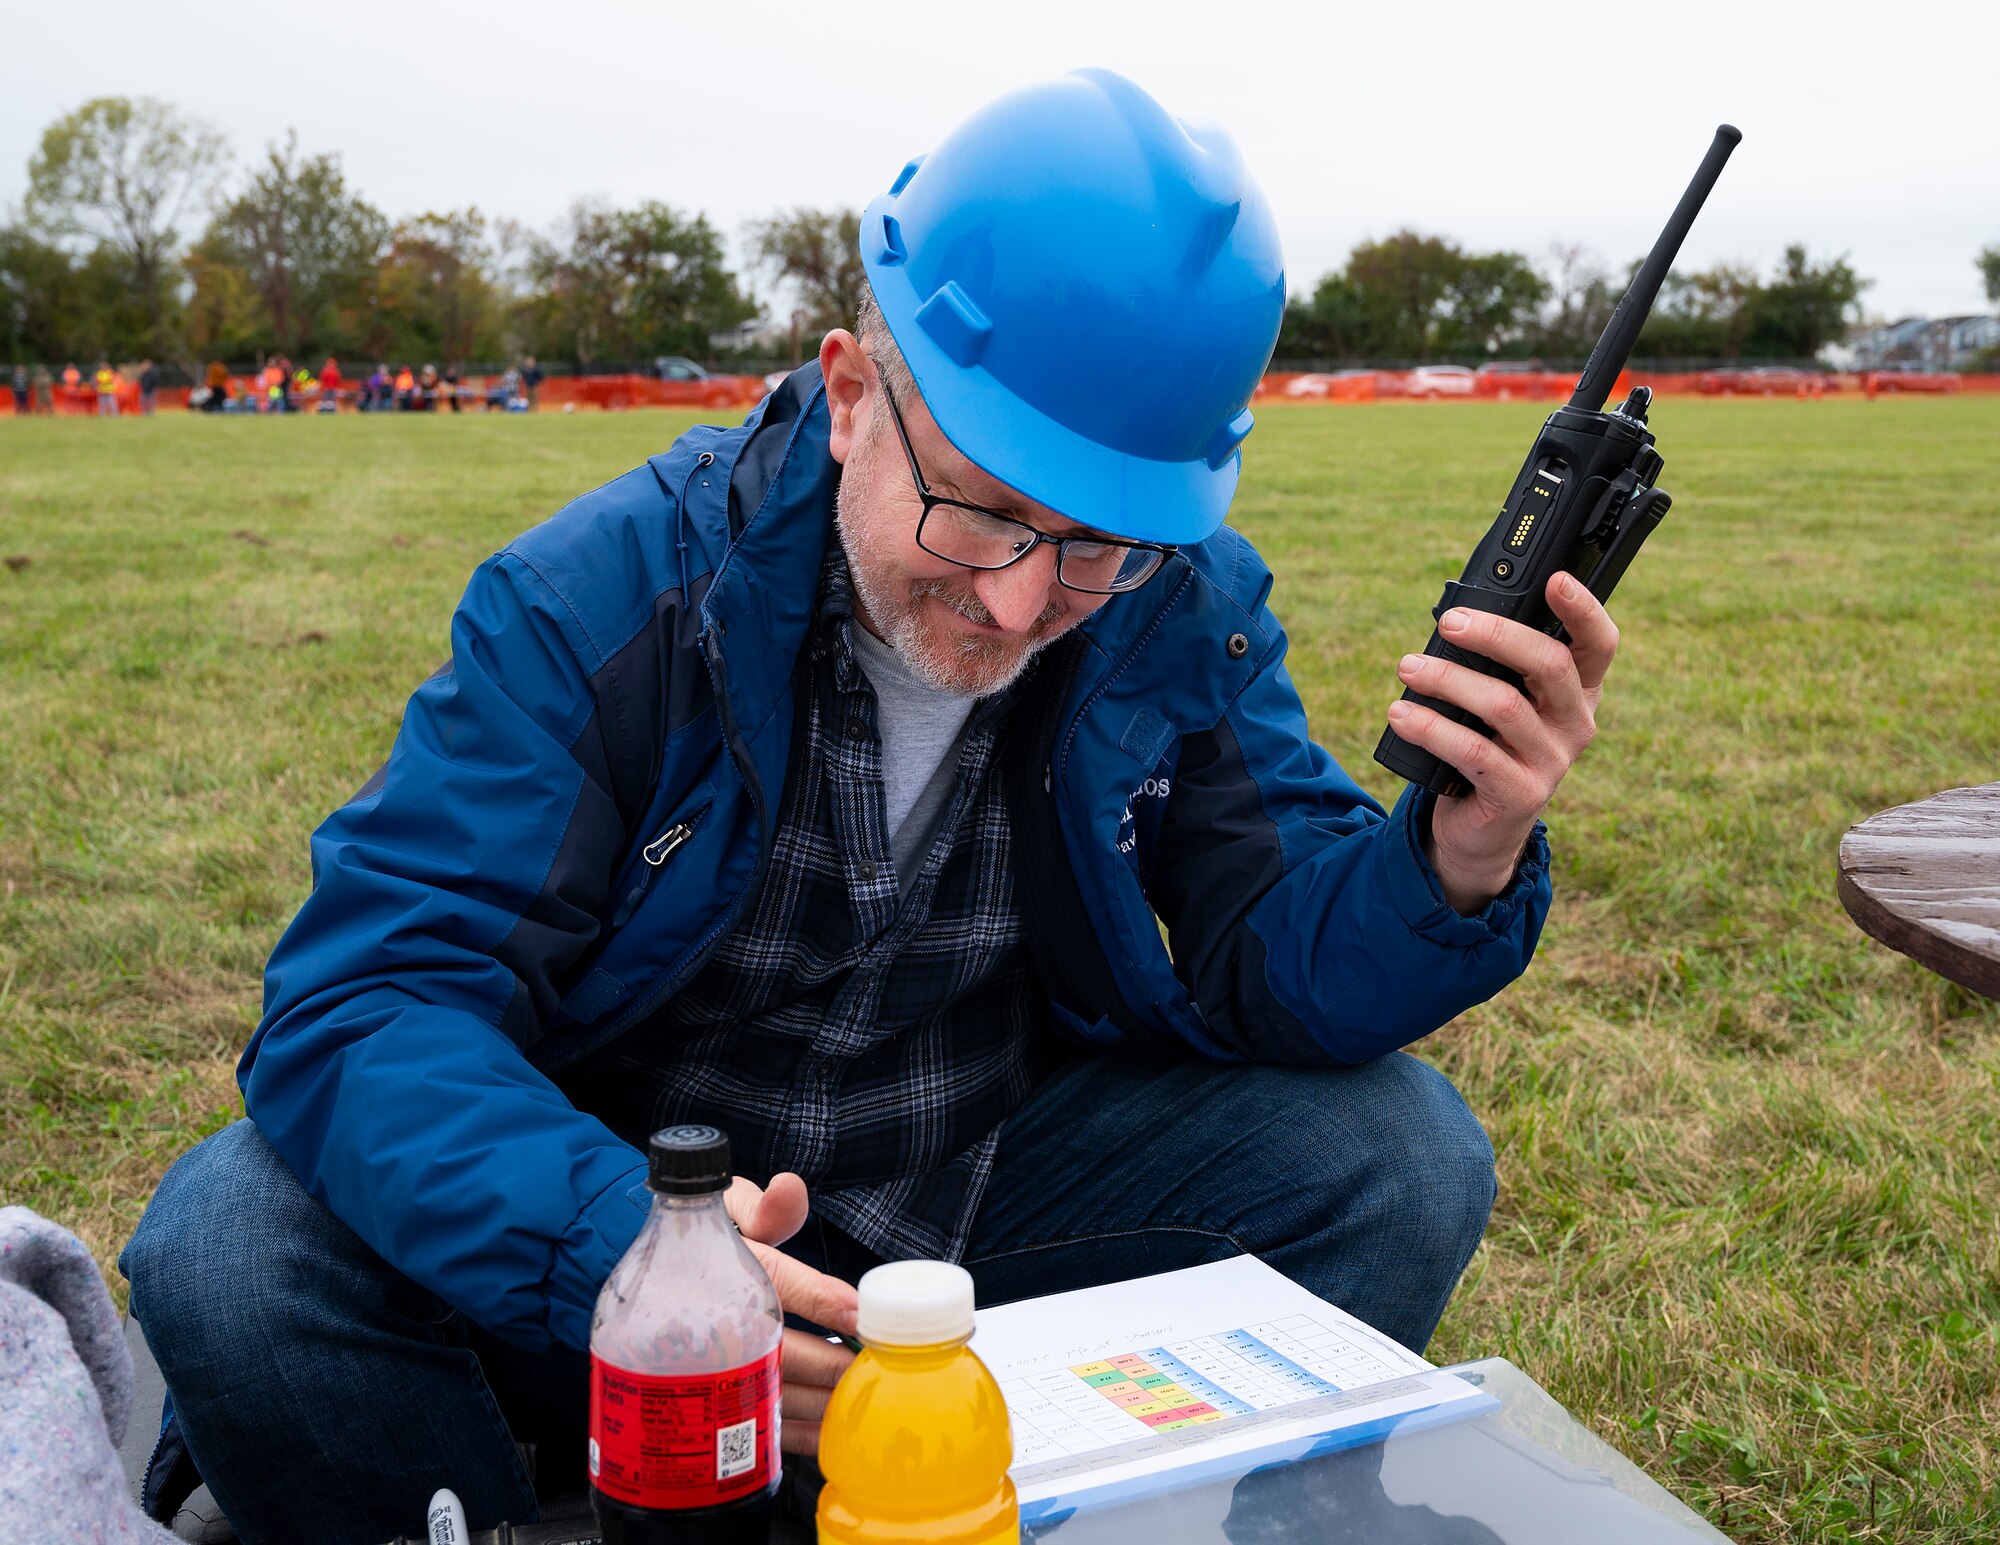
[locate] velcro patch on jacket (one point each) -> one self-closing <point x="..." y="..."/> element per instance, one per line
<point x="1147" y="736"/>
<point x="596" y="993"/>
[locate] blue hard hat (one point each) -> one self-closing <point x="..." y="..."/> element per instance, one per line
<point x="1087" y="291"/>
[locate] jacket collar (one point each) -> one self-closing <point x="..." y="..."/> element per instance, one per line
<point x="759" y="607"/>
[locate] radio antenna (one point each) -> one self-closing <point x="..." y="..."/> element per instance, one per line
<point x="1614" y="348"/>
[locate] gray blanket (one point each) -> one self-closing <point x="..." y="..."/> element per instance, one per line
<point x="65" y="1393"/>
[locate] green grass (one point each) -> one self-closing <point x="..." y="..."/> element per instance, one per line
<point x="1750" y="1161"/>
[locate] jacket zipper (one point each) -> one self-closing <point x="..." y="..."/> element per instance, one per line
<point x="661" y="848"/>
<point x="739" y="752"/>
<point x="1061" y="755"/>
<point x="655" y="853"/>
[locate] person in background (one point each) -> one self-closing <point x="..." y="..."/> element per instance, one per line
<point x="107" y="389"/>
<point x="23" y="403"/>
<point x="531" y="382"/>
<point x="216" y="379"/>
<point x="45" y="391"/>
<point x="149" y="387"/>
<point x="329" y="386"/>
<point x="406" y="389"/>
<point x="72" y="377"/>
<point x="450" y="388"/>
<point x="427" y="389"/>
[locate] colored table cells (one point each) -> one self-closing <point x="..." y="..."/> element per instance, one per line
<point x="1159" y="1390"/>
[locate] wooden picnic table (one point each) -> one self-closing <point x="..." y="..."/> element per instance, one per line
<point x="1925" y="880"/>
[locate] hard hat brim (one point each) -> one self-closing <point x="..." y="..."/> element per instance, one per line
<point x="1141" y="500"/>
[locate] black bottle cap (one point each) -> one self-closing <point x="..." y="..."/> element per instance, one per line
<point x="687" y="1161"/>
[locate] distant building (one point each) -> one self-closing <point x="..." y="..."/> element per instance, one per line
<point x="763" y="336"/>
<point x="1947" y="343"/>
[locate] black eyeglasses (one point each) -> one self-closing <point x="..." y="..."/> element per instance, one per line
<point x="978" y="538"/>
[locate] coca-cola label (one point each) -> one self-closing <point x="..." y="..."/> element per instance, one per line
<point x="683" y="1440"/>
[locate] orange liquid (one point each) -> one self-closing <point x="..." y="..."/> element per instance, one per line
<point x="915" y="1446"/>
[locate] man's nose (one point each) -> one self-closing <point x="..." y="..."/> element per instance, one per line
<point x="1019" y="593"/>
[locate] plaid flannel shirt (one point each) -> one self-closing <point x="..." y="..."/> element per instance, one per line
<point x="872" y="1043"/>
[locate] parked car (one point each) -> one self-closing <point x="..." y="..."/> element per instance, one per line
<point x="683" y="382"/>
<point x="1320" y="383"/>
<point x="1506" y="379"/>
<point x="1909" y="377"/>
<point x="1439" y="381"/>
<point x="1762" y="381"/>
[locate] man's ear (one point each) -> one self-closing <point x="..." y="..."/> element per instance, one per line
<point x="850" y="386"/>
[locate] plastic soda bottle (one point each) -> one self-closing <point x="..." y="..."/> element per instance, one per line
<point x="684" y="1365"/>
<point x="915" y="1442"/>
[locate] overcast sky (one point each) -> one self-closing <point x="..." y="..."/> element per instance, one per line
<point x="1869" y="130"/>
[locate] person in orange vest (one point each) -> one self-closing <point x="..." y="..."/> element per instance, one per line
<point x="406" y="390"/>
<point x="107" y="390"/>
<point x="71" y="376"/>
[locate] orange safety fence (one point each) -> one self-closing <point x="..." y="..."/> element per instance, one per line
<point x="637" y="391"/>
<point x="1542" y="386"/>
<point x="602" y="392"/>
<point x="612" y="393"/>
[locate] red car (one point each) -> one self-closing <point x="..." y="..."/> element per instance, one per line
<point x="1903" y="380"/>
<point x="682" y="381"/>
<point x="1762" y="381"/>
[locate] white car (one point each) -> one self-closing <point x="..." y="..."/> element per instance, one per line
<point x="1439" y="381"/>
<point x="1320" y="383"/>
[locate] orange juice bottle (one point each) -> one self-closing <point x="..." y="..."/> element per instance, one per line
<point x="915" y="1442"/>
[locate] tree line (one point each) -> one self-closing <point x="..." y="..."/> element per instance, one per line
<point x="135" y="239"/>
<point x="1411" y="297"/>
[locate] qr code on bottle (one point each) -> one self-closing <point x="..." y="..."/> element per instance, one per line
<point x="735" y="1449"/>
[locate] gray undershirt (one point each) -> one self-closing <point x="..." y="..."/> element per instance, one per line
<point x="921" y="729"/>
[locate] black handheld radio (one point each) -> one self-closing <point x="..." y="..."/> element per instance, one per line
<point x="1584" y="501"/>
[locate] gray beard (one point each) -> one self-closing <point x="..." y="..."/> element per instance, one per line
<point x="954" y="669"/>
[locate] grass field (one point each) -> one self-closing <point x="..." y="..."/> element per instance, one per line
<point x="1749" y="1216"/>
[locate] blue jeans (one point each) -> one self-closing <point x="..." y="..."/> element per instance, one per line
<point x="320" y="1391"/>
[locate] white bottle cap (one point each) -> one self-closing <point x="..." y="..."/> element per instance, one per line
<point x="915" y="1304"/>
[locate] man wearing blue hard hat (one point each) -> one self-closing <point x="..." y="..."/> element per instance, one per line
<point x="834" y="779"/>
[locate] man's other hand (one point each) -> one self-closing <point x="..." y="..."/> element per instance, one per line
<point x="1477" y="838"/>
<point x="767" y="1216"/>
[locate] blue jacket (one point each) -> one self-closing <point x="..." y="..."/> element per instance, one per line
<point x="484" y="914"/>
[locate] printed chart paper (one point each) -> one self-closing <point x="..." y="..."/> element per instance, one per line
<point x="1141" y="1386"/>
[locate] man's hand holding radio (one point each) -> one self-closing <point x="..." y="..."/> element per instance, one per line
<point x="1477" y="838"/>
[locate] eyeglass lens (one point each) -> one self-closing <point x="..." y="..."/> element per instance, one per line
<point x="982" y="541"/>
